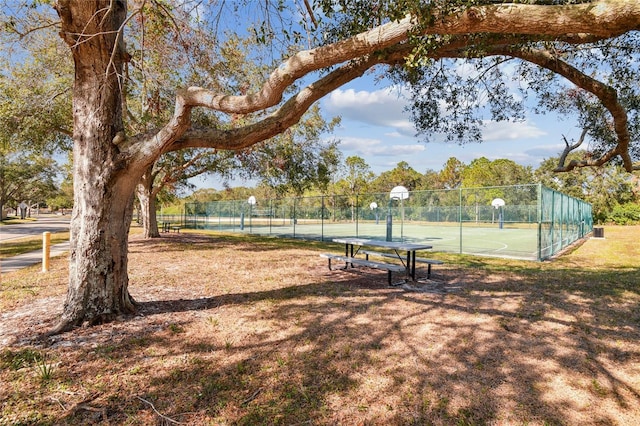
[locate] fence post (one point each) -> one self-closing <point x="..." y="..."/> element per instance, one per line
<point x="389" y="222"/>
<point x="270" y="214"/>
<point x="460" y="215"/>
<point x="357" y="212"/>
<point x="322" y="218"/>
<point x="295" y="219"/>
<point x="539" y="214"/>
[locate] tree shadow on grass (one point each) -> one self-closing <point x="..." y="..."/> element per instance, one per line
<point x="511" y="349"/>
<point x="518" y="344"/>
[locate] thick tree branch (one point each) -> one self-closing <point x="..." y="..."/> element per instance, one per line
<point x="543" y="58"/>
<point x="605" y="93"/>
<point x="607" y="18"/>
<point x="298" y="66"/>
<point x="280" y="120"/>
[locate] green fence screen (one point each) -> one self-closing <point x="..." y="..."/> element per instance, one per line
<point x="521" y="221"/>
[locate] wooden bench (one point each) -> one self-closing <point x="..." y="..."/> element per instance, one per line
<point x="175" y="229"/>
<point x="389" y="267"/>
<point x="429" y="262"/>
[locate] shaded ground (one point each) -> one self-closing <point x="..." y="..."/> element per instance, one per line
<point x="236" y="330"/>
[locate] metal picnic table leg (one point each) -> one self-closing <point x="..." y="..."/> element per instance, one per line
<point x="346" y="252"/>
<point x="411" y="264"/>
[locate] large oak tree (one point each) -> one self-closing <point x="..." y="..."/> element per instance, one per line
<point x="408" y="37"/>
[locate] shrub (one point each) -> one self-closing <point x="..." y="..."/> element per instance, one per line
<point x="625" y="214"/>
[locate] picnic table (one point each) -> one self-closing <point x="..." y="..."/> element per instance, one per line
<point x="167" y="227"/>
<point x="403" y="251"/>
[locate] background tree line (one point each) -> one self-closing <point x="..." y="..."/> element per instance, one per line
<point x="319" y="170"/>
<point x="614" y="193"/>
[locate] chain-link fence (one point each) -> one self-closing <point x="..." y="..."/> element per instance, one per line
<point x="522" y="221"/>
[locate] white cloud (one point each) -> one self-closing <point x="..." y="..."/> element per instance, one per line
<point x="545" y="151"/>
<point x="374" y="147"/>
<point x="507" y="130"/>
<point x="383" y="108"/>
<point x="520" y="152"/>
<point x="394" y="135"/>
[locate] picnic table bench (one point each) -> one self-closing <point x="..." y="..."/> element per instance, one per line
<point x="389" y="267"/>
<point x="429" y="262"/>
<point x="167" y="227"/>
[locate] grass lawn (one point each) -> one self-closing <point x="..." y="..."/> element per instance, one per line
<point x="247" y="330"/>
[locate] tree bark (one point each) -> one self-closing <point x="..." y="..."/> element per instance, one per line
<point x="103" y="190"/>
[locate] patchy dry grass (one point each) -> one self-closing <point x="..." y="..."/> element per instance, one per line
<point x="248" y="331"/>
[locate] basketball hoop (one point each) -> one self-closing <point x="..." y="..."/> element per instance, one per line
<point x="399" y="193"/>
<point x="497" y="203"/>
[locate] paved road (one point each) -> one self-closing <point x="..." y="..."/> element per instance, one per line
<point x="48" y="223"/>
<point x="43" y="224"/>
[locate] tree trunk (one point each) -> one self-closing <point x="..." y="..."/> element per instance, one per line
<point x="98" y="279"/>
<point x="103" y="184"/>
<point x="147" y="199"/>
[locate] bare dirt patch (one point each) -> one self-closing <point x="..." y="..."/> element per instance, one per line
<point x="237" y="330"/>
